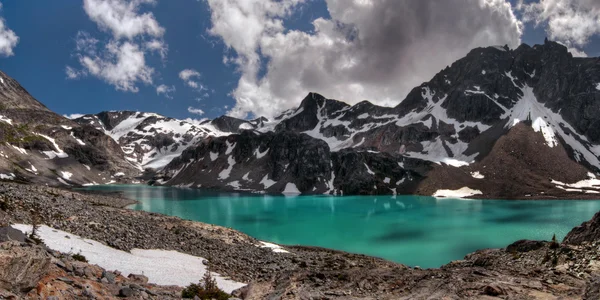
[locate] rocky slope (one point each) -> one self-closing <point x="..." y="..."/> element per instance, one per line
<point x="523" y="270"/>
<point x="38" y="145"/>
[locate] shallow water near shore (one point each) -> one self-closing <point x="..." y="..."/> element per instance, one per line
<point x="412" y="230"/>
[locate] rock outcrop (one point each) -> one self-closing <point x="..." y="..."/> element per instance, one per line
<point x="587" y="232"/>
<point x="21" y="266"/>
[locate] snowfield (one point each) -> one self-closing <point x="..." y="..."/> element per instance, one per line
<point x="160" y="266"/>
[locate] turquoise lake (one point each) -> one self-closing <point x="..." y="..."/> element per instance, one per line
<point x="416" y="231"/>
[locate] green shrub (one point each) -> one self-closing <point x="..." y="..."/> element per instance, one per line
<point x="207" y="289"/>
<point x="79" y="257"/>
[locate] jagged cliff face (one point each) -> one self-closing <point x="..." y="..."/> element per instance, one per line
<point x="444" y="128"/>
<point x="41" y="146"/>
<point x="532" y="111"/>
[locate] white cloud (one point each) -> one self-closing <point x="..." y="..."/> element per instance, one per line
<point x="196" y="121"/>
<point x="190" y="78"/>
<point x="73" y="116"/>
<point x="74" y="74"/>
<point x="158" y="46"/>
<point x="571" y="22"/>
<point x="195" y="111"/>
<point x="8" y="39"/>
<point x="122" y="64"/>
<point x="120" y="60"/>
<point x="166" y="90"/>
<point x="122" y="18"/>
<point x="376" y="50"/>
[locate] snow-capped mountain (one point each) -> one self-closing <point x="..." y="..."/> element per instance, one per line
<point x="432" y="141"/>
<point x="498" y="123"/>
<point x="152" y="141"/>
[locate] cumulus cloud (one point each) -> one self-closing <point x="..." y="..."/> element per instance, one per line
<point x="122" y="64"/>
<point x="190" y="78"/>
<point x="571" y="22"/>
<point x="375" y="50"/>
<point x="195" y="111"/>
<point x="122" y="18"/>
<point x="120" y="60"/>
<point x="8" y="39"/>
<point x="166" y="90"/>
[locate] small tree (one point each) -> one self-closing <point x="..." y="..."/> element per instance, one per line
<point x="36" y="220"/>
<point x="554" y="243"/>
<point x="206" y="289"/>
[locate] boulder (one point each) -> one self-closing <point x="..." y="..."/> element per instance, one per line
<point x="141" y="279"/>
<point x="587" y="232"/>
<point x="22" y="266"/>
<point x="10" y="234"/>
<point x="524" y="246"/>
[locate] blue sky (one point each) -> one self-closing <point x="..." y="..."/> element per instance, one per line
<point x="48" y="33"/>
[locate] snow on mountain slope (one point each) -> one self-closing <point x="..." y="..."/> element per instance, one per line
<point x="152" y="141"/>
<point x="453" y="121"/>
<point x="40" y="146"/>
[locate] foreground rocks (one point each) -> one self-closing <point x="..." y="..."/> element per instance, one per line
<point x="524" y="270"/>
<point x="33" y="272"/>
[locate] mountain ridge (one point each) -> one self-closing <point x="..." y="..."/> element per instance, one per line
<point x="453" y="121"/>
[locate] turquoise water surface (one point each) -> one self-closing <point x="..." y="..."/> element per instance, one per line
<point x="416" y="231"/>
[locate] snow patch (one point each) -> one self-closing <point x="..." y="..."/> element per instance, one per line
<point x="245" y="177"/>
<point x="477" y="175"/>
<point x="291" y="189"/>
<point x="225" y="173"/>
<point x="275" y="248"/>
<point x="10" y="176"/>
<point x="363" y="116"/>
<point x="5" y="119"/>
<point x="213" y="156"/>
<point x="230" y="147"/>
<point x="266" y="182"/>
<point x="387" y="180"/>
<point x="52" y="154"/>
<point x="62" y="181"/>
<point x="66" y="175"/>
<point x="246" y="126"/>
<point x="461" y="193"/>
<point x="160" y="266"/>
<point x="33" y="169"/>
<point x="80" y="142"/>
<point x="234" y="184"/>
<point x="66" y="127"/>
<point x="369" y="170"/>
<point x="21" y="150"/>
<point x="259" y="154"/>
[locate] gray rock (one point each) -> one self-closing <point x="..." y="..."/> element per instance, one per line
<point x="125" y="292"/>
<point x="10" y="234"/>
<point x="110" y="276"/>
<point x="21" y="267"/>
<point x="141" y="279"/>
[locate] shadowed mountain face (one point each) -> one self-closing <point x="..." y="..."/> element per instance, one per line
<point x="492" y="114"/>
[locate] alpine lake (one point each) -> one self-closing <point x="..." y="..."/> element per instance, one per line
<point x="411" y="230"/>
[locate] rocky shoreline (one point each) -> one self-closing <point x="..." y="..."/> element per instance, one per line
<point x="525" y="270"/>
